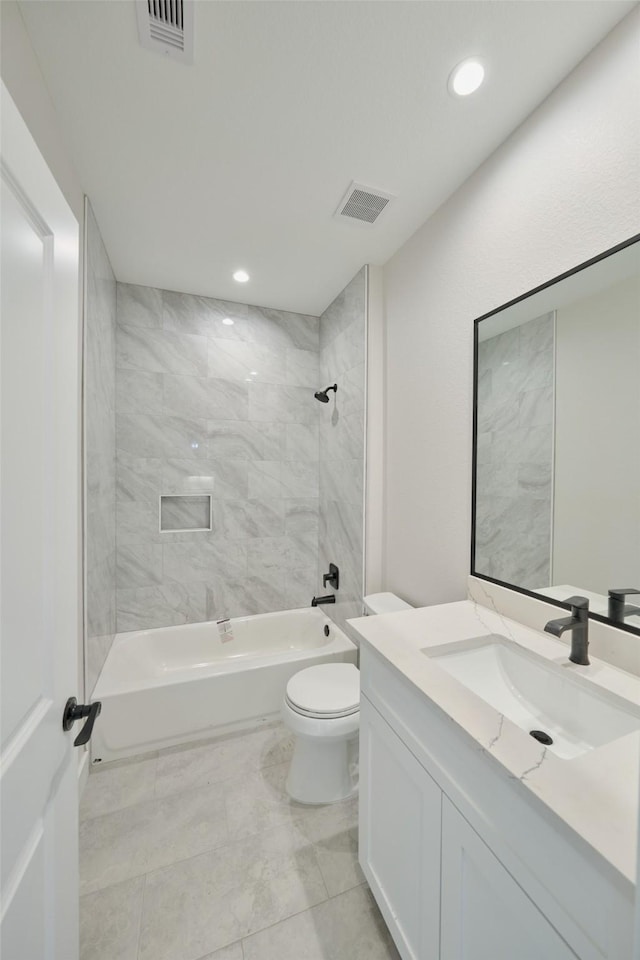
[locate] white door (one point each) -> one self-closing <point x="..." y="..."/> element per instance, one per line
<point x="486" y="915"/>
<point x="39" y="553"/>
<point x="400" y="836"/>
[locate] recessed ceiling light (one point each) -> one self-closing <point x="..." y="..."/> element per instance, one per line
<point x="466" y="77"/>
<point x="228" y="321"/>
<point x="241" y="276"/>
<point x="253" y="373"/>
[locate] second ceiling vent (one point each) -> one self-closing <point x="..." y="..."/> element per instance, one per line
<point x="363" y="204"/>
<point x="166" y="27"/>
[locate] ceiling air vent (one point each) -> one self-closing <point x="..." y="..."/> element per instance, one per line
<point x="166" y="26"/>
<point x="362" y="204"/>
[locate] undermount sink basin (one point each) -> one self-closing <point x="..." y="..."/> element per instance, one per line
<point x="537" y="694"/>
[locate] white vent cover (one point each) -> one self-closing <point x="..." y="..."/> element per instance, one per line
<point x="362" y="204"/>
<point x="166" y="26"/>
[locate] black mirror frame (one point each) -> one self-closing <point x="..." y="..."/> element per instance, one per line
<point x="543" y="286"/>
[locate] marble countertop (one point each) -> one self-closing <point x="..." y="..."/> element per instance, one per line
<point x="594" y="794"/>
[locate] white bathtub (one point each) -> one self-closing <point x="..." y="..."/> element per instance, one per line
<point x="176" y="684"/>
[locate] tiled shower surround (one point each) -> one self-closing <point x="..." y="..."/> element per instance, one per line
<point x="100" y="440"/>
<point x="342" y="361"/>
<point x="515" y="454"/>
<point x="206" y="406"/>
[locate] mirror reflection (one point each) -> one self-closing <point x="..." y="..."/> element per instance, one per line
<point x="557" y="500"/>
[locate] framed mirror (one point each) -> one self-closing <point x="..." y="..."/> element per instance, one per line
<point x="556" y="449"/>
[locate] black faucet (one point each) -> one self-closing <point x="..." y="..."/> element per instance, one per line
<point x="578" y="623"/>
<point x="330" y="598"/>
<point x="618" y="610"/>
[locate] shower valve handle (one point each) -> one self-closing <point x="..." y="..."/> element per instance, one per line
<point x="333" y="577"/>
<point x="78" y="711"/>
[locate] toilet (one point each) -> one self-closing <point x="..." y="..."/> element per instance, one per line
<point x="322" y="709"/>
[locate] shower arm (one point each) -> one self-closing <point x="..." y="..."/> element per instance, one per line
<point x="323" y="395"/>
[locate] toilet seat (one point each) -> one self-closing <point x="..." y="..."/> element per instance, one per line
<point x="325" y="692"/>
<point x="320" y="716"/>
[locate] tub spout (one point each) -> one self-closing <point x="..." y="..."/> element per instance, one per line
<point x="330" y="598"/>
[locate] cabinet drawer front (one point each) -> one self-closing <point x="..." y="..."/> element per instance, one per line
<point x="400" y="836"/>
<point x="486" y="915"/>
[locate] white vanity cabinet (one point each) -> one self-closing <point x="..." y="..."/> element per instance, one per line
<point x="486" y="915"/>
<point x="400" y="821"/>
<point x="463" y="863"/>
<point x="442" y="892"/>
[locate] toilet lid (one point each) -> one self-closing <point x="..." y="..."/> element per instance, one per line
<point x="329" y="689"/>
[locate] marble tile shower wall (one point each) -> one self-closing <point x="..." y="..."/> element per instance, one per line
<point x="342" y="361"/>
<point x="226" y="409"/>
<point x="100" y="446"/>
<point x="515" y="454"/>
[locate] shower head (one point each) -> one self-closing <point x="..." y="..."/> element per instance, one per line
<point x="323" y="395"/>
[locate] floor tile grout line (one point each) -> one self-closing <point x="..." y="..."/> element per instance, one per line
<point x="270" y="926"/>
<point x="168" y="796"/>
<point x="220" y="846"/>
<point x="239" y="775"/>
<point x="229" y="841"/>
<point x="141" y="803"/>
<point x="211" y="850"/>
<point x="261" y="929"/>
<point x="299" y="913"/>
<point x="324" y="882"/>
<point x="147" y="873"/>
<point x="205" y="956"/>
<point x="361" y="883"/>
<point x="144" y="891"/>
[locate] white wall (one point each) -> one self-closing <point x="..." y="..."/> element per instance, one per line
<point x="596" y="526"/>
<point x="375" y="412"/>
<point x="21" y="74"/>
<point x="564" y="187"/>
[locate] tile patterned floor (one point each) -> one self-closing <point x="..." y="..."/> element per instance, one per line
<point x="198" y="854"/>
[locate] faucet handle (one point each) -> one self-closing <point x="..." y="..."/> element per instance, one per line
<point x="579" y="608"/>
<point x="577" y="603"/>
<point x="619" y="593"/>
<point x="617" y="608"/>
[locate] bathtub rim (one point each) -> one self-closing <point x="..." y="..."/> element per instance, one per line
<point x="108" y="686"/>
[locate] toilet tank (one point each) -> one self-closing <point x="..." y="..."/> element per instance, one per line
<point x="384" y="603"/>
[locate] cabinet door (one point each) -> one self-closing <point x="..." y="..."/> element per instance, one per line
<point x="486" y="915"/>
<point x="400" y="822"/>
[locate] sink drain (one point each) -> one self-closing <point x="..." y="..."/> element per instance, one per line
<point x="541" y="737"/>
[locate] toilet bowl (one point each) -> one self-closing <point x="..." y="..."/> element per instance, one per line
<point x="322" y="709"/>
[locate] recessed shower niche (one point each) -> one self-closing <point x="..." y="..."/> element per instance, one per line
<point x="186" y="512"/>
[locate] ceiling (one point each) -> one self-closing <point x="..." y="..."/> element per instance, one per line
<point x="241" y="159"/>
